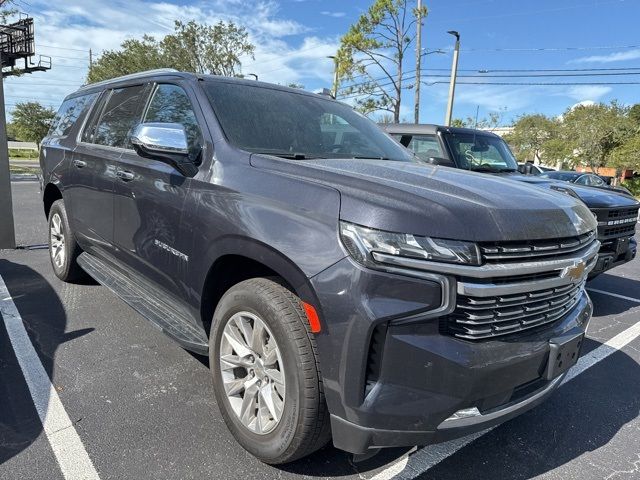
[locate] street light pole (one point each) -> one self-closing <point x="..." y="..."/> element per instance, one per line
<point x="454" y="74"/>
<point x="416" y="108"/>
<point x="7" y="229"/>
<point x="334" y="87"/>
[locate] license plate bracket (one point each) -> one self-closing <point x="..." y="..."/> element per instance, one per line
<point x="622" y="245"/>
<point x="563" y="354"/>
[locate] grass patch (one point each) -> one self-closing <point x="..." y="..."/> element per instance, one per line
<point x="20" y="153"/>
<point x="19" y="169"/>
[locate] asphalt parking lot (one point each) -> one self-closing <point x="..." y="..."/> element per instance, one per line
<point x="128" y="402"/>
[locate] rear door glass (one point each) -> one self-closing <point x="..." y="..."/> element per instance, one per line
<point x="68" y="114"/>
<point x="120" y="115"/>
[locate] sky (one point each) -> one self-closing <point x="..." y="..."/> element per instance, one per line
<point x="294" y="37"/>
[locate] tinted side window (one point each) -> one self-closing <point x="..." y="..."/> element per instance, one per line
<point x="69" y="112"/>
<point x="120" y="115"/>
<point x="425" y="146"/>
<point x="583" y="180"/>
<point x="170" y="104"/>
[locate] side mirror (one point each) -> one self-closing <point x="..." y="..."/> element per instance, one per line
<point x="166" y="142"/>
<point x="528" y="169"/>
<point x="444" y="162"/>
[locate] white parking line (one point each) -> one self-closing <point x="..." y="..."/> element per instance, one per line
<point x="67" y="447"/>
<point x="412" y="465"/>
<point x="616" y="295"/>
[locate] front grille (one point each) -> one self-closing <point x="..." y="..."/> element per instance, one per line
<point x="477" y="318"/>
<point x="616" y="222"/>
<point x="538" y="249"/>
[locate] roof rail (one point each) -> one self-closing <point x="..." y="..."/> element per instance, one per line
<point x="131" y="76"/>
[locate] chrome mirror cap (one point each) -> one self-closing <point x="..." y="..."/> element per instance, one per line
<point x="165" y="138"/>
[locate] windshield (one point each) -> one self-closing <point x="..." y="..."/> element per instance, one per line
<point x="481" y="153"/>
<point x="296" y="125"/>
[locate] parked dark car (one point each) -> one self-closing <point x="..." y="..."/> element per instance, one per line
<point x="339" y="286"/>
<point x="482" y="151"/>
<point x="586" y="179"/>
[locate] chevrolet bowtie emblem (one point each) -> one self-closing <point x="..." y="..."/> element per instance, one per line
<point x="575" y="272"/>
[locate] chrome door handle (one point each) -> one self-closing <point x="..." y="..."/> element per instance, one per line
<point x="125" y="175"/>
<point x="79" y="163"/>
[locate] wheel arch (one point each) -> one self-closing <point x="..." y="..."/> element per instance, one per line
<point x="242" y="259"/>
<point x="51" y="193"/>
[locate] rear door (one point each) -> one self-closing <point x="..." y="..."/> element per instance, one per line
<point x="150" y="195"/>
<point x="93" y="167"/>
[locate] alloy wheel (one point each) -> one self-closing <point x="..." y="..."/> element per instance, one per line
<point x="57" y="240"/>
<point x="252" y="372"/>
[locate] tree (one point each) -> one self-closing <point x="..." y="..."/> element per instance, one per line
<point x="634" y="115"/>
<point x="595" y="131"/>
<point x="193" y="47"/>
<point x="530" y="134"/>
<point x="627" y="155"/>
<point x="372" y="53"/>
<point x="31" y="121"/>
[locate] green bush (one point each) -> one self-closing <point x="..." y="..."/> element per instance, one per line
<point x="633" y="184"/>
<point x="20" y="153"/>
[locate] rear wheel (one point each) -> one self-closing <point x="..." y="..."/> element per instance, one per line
<point x="63" y="249"/>
<point x="266" y="376"/>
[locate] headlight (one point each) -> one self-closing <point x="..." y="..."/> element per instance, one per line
<point x="362" y="242"/>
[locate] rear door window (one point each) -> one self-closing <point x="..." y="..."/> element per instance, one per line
<point x="120" y="115"/>
<point x="68" y="114"/>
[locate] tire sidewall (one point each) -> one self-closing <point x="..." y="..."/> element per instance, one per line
<point x="58" y="208"/>
<point x="273" y="445"/>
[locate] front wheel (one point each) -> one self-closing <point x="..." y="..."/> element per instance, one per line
<point x="265" y="371"/>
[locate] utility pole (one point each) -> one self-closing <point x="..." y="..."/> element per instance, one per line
<point x="418" y="62"/>
<point x="7" y="231"/>
<point x="90" y="59"/>
<point x="454" y="74"/>
<point x="334" y="87"/>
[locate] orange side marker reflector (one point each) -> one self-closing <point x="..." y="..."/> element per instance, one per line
<point x="312" y="317"/>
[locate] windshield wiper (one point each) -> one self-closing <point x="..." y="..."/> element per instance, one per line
<point x="288" y="155"/>
<point x="367" y="157"/>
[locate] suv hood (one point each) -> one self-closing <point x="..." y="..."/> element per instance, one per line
<point x="592" y="196"/>
<point x="440" y="201"/>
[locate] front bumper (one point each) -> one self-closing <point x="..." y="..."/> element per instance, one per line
<point x="392" y="378"/>
<point x="611" y="256"/>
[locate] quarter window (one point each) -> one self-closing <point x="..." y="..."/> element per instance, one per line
<point x="170" y="104"/>
<point x="120" y="115"/>
<point x="69" y="112"/>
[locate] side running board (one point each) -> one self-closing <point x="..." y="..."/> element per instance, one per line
<point x="148" y="301"/>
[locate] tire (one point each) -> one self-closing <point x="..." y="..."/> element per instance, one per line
<point x="63" y="249"/>
<point x="303" y="423"/>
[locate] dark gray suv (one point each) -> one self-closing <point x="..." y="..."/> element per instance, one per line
<point x="339" y="286"/>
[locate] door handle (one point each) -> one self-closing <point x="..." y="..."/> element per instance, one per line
<point x="124" y="175"/>
<point x="79" y="163"/>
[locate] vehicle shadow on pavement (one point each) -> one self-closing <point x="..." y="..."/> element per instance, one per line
<point x="610" y="283"/>
<point x="45" y="320"/>
<point x="582" y="416"/>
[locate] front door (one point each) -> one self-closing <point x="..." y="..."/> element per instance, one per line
<point x="150" y="196"/>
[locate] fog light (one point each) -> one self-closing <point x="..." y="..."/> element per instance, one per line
<point x="465" y="413"/>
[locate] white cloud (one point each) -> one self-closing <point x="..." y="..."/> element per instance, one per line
<point x="612" y="57"/>
<point x="67" y="30"/>
<point x="333" y="14"/>
<point x="588" y="92"/>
